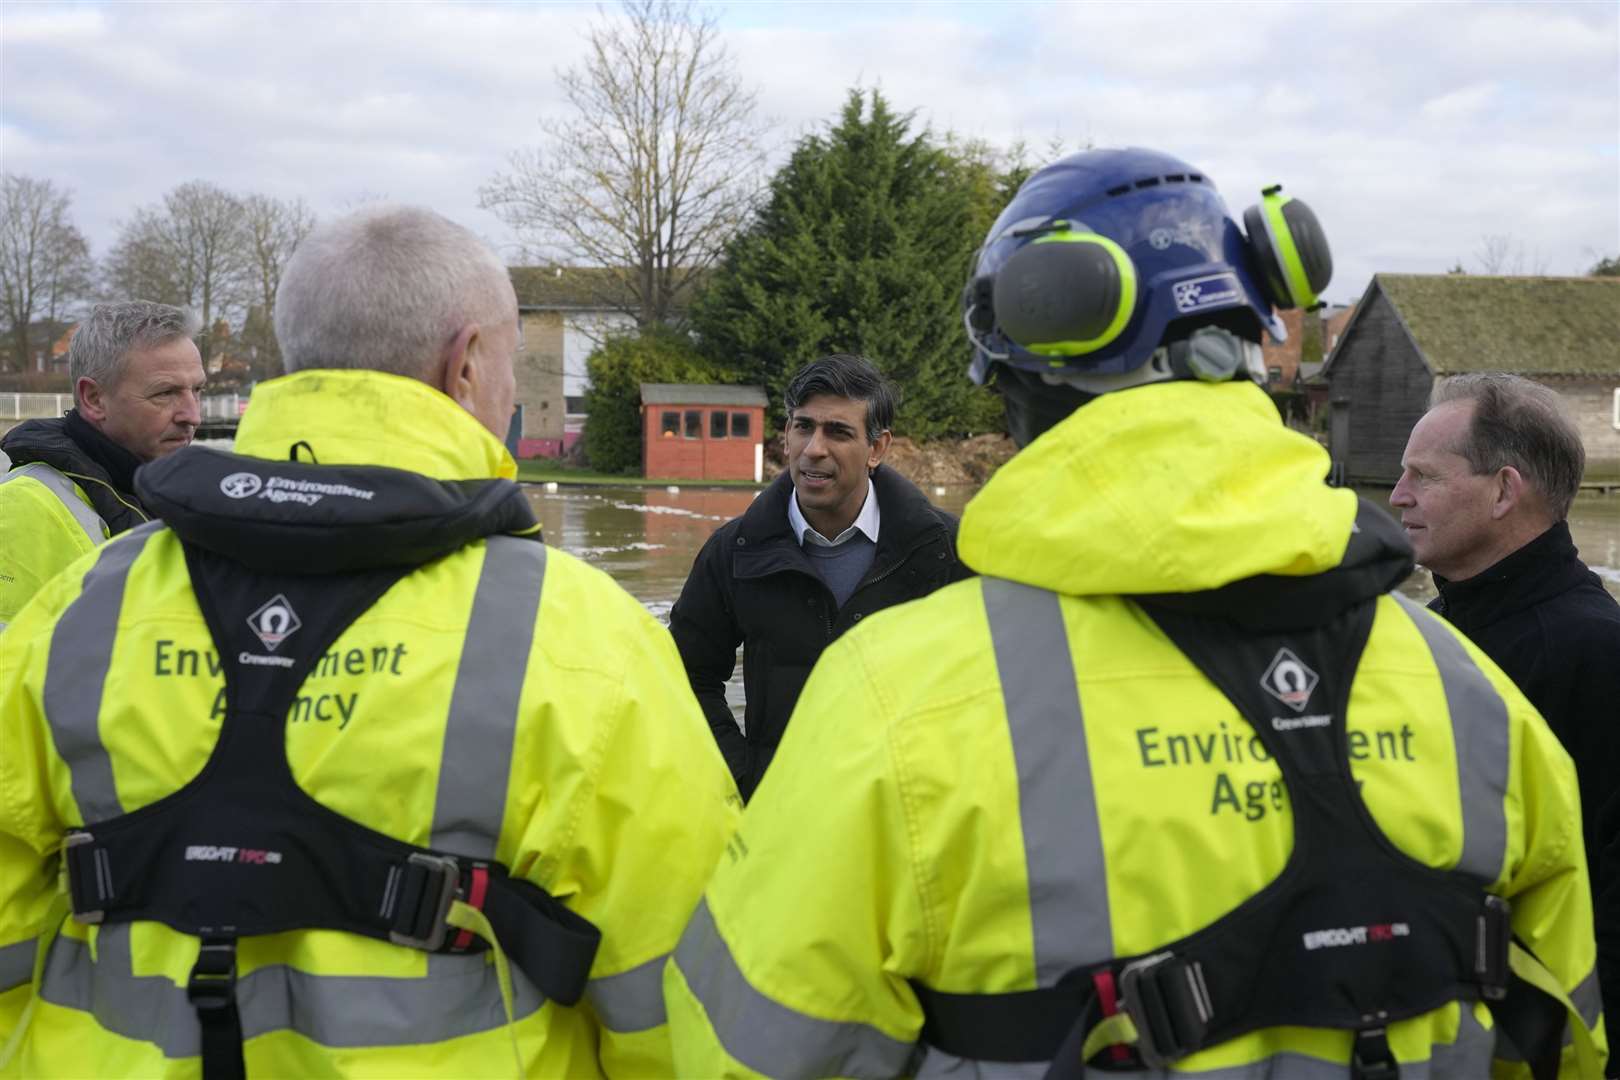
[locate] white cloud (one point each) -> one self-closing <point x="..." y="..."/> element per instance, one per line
<point x="1412" y="129"/>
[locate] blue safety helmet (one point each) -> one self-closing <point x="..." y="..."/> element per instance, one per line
<point x="1098" y="254"/>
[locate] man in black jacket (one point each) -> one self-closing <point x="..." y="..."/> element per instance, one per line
<point x="136" y="380"/>
<point x="833" y="539"/>
<point x="1488" y="478"/>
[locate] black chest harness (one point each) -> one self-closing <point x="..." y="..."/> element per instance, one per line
<point x="242" y="850"/>
<point x="1353" y="934"/>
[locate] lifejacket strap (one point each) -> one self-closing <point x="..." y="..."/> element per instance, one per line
<point x="211" y="989"/>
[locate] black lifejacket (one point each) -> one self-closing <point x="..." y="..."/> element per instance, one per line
<point x="242" y="850"/>
<point x="1353" y="934"/>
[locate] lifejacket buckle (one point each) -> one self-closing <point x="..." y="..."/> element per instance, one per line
<point x="1494" y="933"/>
<point x="1168" y="1001"/>
<point x="212" y="984"/>
<point x="73" y="880"/>
<point x="421" y="901"/>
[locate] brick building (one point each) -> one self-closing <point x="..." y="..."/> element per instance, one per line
<point x="692" y="432"/>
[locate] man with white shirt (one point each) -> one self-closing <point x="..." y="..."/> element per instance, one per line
<point x="835" y="538"/>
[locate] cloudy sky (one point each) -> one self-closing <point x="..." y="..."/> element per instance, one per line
<point x="1414" y="129"/>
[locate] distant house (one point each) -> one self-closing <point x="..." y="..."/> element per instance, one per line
<point x="696" y="432"/>
<point x="566" y="312"/>
<point x="1410" y="329"/>
<point x="1282" y="357"/>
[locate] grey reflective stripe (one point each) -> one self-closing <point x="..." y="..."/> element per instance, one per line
<point x="332" y="1010"/>
<point x="767" y="1036"/>
<point x="76" y="670"/>
<point x="16" y="964"/>
<point x="477" y="757"/>
<point x="1057" y="803"/>
<point x="1479" y="732"/>
<point x="631" y="1000"/>
<point x="63" y="489"/>
<point x="1588" y="1001"/>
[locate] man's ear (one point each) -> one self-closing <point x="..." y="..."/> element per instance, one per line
<point x="460" y="371"/>
<point x="1510" y="492"/>
<point x="91" y="402"/>
<point x="880" y="447"/>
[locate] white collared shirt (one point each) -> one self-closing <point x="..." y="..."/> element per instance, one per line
<point x="866" y="521"/>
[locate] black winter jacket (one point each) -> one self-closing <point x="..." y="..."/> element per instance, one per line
<point x="1549" y="624"/>
<point x="752" y="584"/>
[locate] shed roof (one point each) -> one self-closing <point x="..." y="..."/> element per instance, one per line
<point x="1523" y="325"/>
<point x="701" y="394"/>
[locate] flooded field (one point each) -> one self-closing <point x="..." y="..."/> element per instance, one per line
<point x="647" y="537"/>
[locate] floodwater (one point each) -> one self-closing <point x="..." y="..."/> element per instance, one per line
<point x="646" y="538"/>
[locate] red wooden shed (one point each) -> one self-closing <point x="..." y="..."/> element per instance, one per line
<point x="696" y="432"/>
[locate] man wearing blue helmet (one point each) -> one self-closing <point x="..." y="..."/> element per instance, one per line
<point x="1178" y="783"/>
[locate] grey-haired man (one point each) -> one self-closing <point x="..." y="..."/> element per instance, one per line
<point x="136" y="380"/>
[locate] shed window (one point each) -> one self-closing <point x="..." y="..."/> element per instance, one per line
<point x="739" y="425"/>
<point x="1274" y="374"/>
<point x="717" y="425"/>
<point x="670" y="423"/>
<point x="694" y="423"/>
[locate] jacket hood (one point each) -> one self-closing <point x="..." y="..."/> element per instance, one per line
<point x="370" y="418"/>
<point x="85" y="457"/>
<point x="400" y="475"/>
<point x="1171" y="488"/>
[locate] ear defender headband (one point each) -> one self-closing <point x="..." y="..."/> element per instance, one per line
<point x="1290" y="249"/>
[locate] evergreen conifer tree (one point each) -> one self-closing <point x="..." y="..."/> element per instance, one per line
<point x="863" y="246"/>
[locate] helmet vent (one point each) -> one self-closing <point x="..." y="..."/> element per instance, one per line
<point x="1175" y="178"/>
<point x="1118" y="190"/>
<point x="1148" y="181"/>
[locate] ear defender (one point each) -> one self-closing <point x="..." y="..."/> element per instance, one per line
<point x="1067" y="293"/>
<point x="1290" y="249"/>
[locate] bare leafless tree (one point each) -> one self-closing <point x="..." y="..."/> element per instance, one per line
<point x="655" y="167"/>
<point x="192" y="249"/>
<point x="1500" y="253"/>
<point x="45" y="264"/>
<point x="274" y="228"/>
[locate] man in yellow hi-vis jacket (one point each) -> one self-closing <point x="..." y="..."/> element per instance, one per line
<point x="136" y="379"/>
<point x="1178" y="784"/>
<point x="477" y="739"/>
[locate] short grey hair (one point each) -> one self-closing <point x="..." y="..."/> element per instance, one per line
<point x="103" y="342"/>
<point x="1519" y="423"/>
<point x="385" y="289"/>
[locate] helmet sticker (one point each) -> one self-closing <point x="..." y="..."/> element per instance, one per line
<point x="1210" y="291"/>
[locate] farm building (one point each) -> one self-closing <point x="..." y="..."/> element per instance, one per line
<point x="1410" y="329"/>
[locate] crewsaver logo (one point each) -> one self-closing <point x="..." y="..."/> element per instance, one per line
<point x="274" y="622"/>
<point x="241" y="485"/>
<point x="1290" y="680"/>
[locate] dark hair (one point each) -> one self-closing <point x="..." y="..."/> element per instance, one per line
<point x="1519" y="423"/>
<point x="846" y="375"/>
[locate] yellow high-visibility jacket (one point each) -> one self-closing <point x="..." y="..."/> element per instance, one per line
<point x="1021" y="774"/>
<point x="46" y="522"/>
<point x="560" y="739"/>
